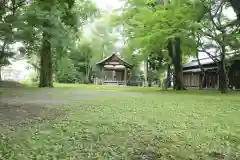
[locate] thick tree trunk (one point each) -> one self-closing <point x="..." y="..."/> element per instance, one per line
<point x="169" y="76"/>
<point x="90" y="75"/>
<point x="223" y="77"/>
<point x="170" y="52"/>
<point x="167" y="82"/>
<point x="177" y="62"/>
<point x="0" y="73"/>
<point x="2" y="57"/>
<point x="46" y="63"/>
<point x="87" y="75"/>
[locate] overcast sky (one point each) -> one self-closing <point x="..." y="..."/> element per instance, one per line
<point x="108" y="5"/>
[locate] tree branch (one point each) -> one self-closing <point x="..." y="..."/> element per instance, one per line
<point x="14" y="6"/>
<point x="211" y="16"/>
<point x="219" y="7"/>
<point x="210" y="55"/>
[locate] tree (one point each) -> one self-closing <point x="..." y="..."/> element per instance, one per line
<point x="82" y="59"/>
<point x="214" y="35"/>
<point x="131" y="56"/>
<point x="99" y="40"/>
<point x="158" y="25"/>
<point x="48" y="19"/>
<point x="103" y="36"/>
<point x="65" y="71"/>
<point x="10" y="26"/>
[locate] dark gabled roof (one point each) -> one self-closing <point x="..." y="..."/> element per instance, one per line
<point x="109" y="58"/>
<point x="208" y="60"/>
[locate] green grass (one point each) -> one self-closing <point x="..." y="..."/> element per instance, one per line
<point x="154" y="125"/>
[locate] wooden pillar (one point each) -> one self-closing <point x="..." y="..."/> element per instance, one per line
<point x="102" y="74"/>
<point x="206" y="76"/>
<point x="197" y="79"/>
<point x="191" y="76"/>
<point x="113" y="75"/>
<point x="125" y="75"/>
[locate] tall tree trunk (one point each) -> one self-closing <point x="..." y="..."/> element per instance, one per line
<point x="2" y="57"/>
<point x="46" y="62"/>
<point x="88" y="71"/>
<point x="202" y="73"/>
<point x="0" y="73"/>
<point x="223" y="77"/>
<point x="177" y="62"/>
<point x="168" y="80"/>
<point x="146" y="73"/>
<point x="90" y="75"/>
<point x="170" y="52"/>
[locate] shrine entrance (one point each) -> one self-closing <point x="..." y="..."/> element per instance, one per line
<point x="115" y="71"/>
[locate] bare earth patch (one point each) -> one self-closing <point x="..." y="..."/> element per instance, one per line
<point x="20" y="104"/>
<point x="11" y="84"/>
<point x="15" y="115"/>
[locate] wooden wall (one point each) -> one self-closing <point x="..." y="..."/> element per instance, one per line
<point x="117" y="75"/>
<point x="212" y="79"/>
<point x="234" y="74"/>
<point x="108" y="75"/>
<point x="120" y="75"/>
<point x="191" y="79"/>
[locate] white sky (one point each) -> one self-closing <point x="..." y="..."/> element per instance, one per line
<point x="108" y="5"/>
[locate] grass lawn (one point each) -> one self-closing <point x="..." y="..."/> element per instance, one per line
<point x="149" y="125"/>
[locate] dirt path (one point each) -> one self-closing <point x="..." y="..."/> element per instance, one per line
<point x="56" y="97"/>
<point x="21" y="104"/>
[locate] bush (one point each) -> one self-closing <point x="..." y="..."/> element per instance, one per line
<point x="34" y="77"/>
<point x="66" y="72"/>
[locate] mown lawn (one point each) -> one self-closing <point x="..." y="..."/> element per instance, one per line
<point x="152" y="125"/>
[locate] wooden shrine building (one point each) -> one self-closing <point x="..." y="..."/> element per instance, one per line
<point x="191" y="73"/>
<point x="115" y="71"/>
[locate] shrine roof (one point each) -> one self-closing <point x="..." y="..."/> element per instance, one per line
<point x="114" y="58"/>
